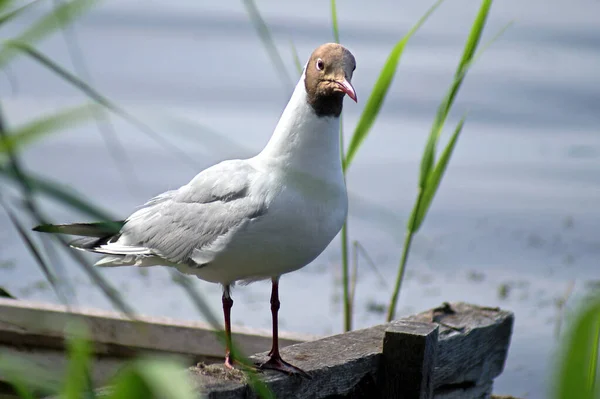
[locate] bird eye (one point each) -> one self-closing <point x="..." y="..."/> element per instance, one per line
<point x="320" y="65"/>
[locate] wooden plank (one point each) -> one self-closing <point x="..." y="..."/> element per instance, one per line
<point x="347" y="365"/>
<point x="339" y="365"/>
<point x="469" y="352"/>
<point x="408" y="360"/>
<point x="31" y="324"/>
<point x="473" y="342"/>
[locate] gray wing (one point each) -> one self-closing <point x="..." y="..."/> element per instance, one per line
<point x="191" y="224"/>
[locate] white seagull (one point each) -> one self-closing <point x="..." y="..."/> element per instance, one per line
<point x="251" y="219"/>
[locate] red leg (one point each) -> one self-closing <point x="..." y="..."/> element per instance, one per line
<point x="227" y="304"/>
<point x="275" y="361"/>
<point x="275" y="317"/>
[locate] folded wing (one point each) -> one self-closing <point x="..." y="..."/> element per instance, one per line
<point x="190" y="225"/>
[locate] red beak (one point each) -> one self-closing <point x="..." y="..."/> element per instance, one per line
<point x="348" y="89"/>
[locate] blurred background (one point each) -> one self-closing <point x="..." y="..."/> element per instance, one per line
<point x="515" y="223"/>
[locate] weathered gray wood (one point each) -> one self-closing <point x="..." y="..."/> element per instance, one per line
<point x="35" y="332"/>
<point x="347" y="365"/>
<point x="339" y="365"/>
<point x="471" y="349"/>
<point x="42" y="325"/>
<point x="473" y="342"/>
<point x="408" y="360"/>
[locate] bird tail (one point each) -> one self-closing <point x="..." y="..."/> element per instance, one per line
<point x="92" y="237"/>
<point x="99" y="229"/>
<point x="102" y="238"/>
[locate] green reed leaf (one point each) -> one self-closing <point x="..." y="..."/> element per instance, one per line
<point x="380" y="90"/>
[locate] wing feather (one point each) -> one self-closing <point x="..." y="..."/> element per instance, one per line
<point x="192" y="224"/>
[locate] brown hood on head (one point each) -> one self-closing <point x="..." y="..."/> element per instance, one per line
<point x="328" y="78"/>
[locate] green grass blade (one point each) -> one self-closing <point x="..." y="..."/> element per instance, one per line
<point x="27" y="189"/>
<point x="380" y="90"/>
<point x="35" y="252"/>
<point x="427" y="160"/>
<point x="435" y="177"/>
<point x="27" y="378"/>
<point x="55" y="19"/>
<point x="347" y="300"/>
<point x="428" y="157"/>
<point x="576" y="374"/>
<point x="97" y="97"/>
<point x="267" y="39"/>
<point x="427" y="169"/>
<point x="29" y="205"/>
<point x="297" y="62"/>
<point x="344" y="236"/>
<point x="334" y="22"/>
<point x="6" y="4"/>
<point x="468" y="54"/>
<point x="353" y="275"/>
<point x="473" y="39"/>
<point x="593" y="383"/>
<point x="466" y="60"/>
<point x="21" y="389"/>
<point x="77" y="379"/>
<point x="401" y="269"/>
<point x="129" y="384"/>
<point x="9" y="15"/>
<point x="44" y="126"/>
<point x="58" y="193"/>
<point x="150" y="377"/>
<point x="14" y="164"/>
<point x="475" y="34"/>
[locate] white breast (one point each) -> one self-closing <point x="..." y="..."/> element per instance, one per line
<point x="301" y="172"/>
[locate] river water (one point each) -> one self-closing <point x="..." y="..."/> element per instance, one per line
<point x="514" y="223"/>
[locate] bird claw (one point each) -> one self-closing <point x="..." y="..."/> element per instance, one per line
<point x="278" y="364"/>
<point x="229" y="363"/>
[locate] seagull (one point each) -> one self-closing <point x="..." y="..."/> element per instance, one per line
<point x="253" y="219"/>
